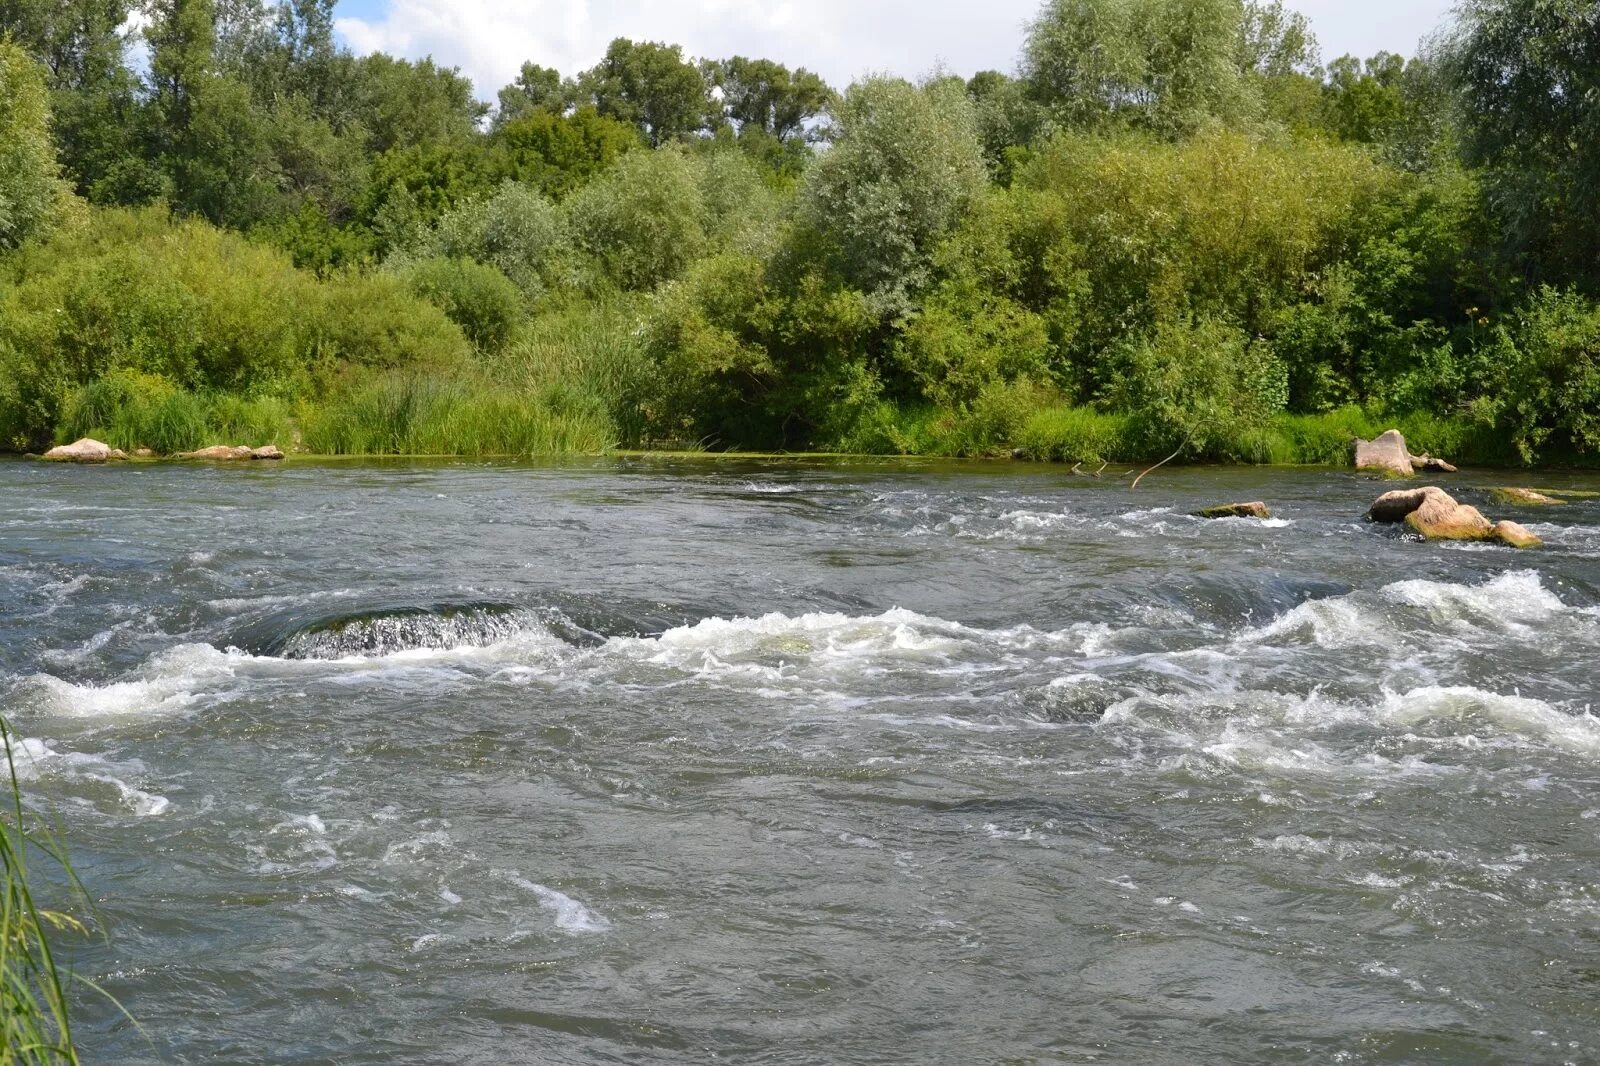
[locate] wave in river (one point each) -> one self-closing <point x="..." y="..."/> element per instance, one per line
<point x="1225" y="697"/>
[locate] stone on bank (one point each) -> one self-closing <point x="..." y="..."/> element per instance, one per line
<point x="84" y="450"/>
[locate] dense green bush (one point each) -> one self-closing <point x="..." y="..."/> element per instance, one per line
<point x="191" y="306"/>
<point x="476" y="297"/>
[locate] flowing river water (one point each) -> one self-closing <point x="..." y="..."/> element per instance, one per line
<point x="651" y="761"/>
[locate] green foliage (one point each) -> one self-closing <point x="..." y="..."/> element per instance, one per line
<point x="409" y="415"/>
<point x="374" y="321"/>
<point x="476" y="297"/>
<point x="31" y="192"/>
<point x="1198" y="385"/>
<point x="649" y="85"/>
<point x="197" y="308"/>
<point x="516" y="231"/>
<point x="904" y="166"/>
<point x="644" y="221"/>
<point x="35" y="1024"/>
<point x="128" y="409"/>
<point x="1076" y="435"/>
<point x="1170" y="67"/>
<point x="759" y="94"/>
<point x="1528" y="73"/>
<point x="558" y="153"/>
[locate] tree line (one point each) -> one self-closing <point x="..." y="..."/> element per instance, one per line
<point x="1171" y="224"/>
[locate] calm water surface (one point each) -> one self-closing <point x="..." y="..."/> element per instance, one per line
<point x="636" y="761"/>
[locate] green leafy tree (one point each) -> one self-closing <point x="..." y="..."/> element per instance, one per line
<point x="904" y="165"/>
<point x="31" y="190"/>
<point x="558" y="153"/>
<point x="1168" y="66"/>
<point x="651" y="86"/>
<point x="537" y="89"/>
<point x="1529" y="76"/>
<point x="759" y="94"/>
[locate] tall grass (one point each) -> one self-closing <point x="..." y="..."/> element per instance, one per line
<point x="407" y="415"/>
<point x="35" y="1026"/>
<point x="129" y="410"/>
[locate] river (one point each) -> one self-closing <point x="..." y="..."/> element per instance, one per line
<point x="656" y="761"/>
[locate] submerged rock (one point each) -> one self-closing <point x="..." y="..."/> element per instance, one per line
<point x="1434" y="514"/>
<point x="1253" y="509"/>
<point x="1387" y="455"/>
<point x="1525" y="497"/>
<point x="84" y="450"/>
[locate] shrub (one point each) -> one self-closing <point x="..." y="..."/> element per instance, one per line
<point x="476" y="297"/>
<point x="1198" y="386"/>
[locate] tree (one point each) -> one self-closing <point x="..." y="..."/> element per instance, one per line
<point x="1529" y="76"/>
<point x="92" y="92"/>
<point x="536" y="89"/>
<point x="651" y="86"/>
<point x="1168" y="66"/>
<point x="904" y="164"/>
<point x="762" y="95"/>
<point x="558" y="153"/>
<point x="31" y="192"/>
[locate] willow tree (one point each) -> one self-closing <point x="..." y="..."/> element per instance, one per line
<point x="904" y="165"/>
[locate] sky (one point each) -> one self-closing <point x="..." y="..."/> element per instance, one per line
<point x="839" y="39"/>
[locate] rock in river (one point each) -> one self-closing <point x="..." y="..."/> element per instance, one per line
<point x="230" y="452"/>
<point x="1434" y="514"/>
<point x="1254" y="509"/>
<point x="1524" y="497"/>
<point x="1385" y="455"/>
<point x="84" y="450"/>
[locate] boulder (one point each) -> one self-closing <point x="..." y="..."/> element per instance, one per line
<point x="1386" y="455"/>
<point x="84" y="450"/>
<point x="1433" y="514"/>
<point x="144" y="453"/>
<point x="1514" y="535"/>
<point x="1254" y="509"/>
<point x="1512" y="497"/>
<point x="219" y="452"/>
<point x="266" y="451"/>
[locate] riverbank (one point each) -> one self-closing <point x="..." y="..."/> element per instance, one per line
<point x="1072" y="435"/>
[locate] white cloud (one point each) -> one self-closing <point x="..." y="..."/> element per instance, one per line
<point x="839" y="39"/>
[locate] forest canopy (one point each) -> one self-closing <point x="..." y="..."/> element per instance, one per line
<point x="1172" y="225"/>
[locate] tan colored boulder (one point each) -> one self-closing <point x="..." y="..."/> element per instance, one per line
<point x="83" y="450"/>
<point x="144" y="453"/>
<point x="1254" y="509"/>
<point x="1433" y="514"/>
<point x="266" y="451"/>
<point x="1517" y="536"/>
<point x="1512" y="497"/>
<point x="219" y="452"/>
<point x="1386" y="455"/>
